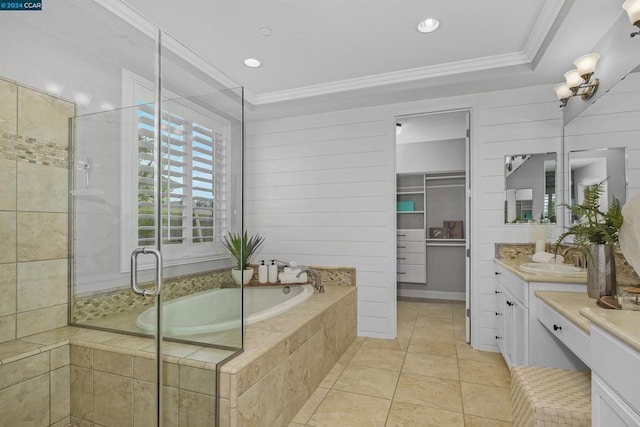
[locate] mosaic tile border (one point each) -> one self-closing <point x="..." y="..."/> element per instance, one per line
<point x="96" y="306"/>
<point x="517" y="250"/>
<point x="31" y="150"/>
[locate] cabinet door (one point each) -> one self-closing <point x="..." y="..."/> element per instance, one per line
<point x="520" y="336"/>
<point x="500" y="321"/>
<point x="515" y="335"/>
<point x="608" y="409"/>
<point x="505" y="339"/>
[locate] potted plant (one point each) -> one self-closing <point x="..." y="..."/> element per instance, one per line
<point x="242" y="247"/>
<point x="596" y="235"/>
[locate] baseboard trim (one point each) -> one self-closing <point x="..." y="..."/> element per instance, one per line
<point x="418" y="293"/>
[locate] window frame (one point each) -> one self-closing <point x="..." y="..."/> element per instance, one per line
<point x="134" y="89"/>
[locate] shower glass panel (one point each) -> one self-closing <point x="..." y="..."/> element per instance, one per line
<point x="173" y="184"/>
<point x="159" y="168"/>
<point x="202" y="130"/>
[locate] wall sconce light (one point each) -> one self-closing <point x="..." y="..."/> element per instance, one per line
<point x="579" y="82"/>
<point x="508" y="163"/>
<point x="632" y="7"/>
<point x="398" y="128"/>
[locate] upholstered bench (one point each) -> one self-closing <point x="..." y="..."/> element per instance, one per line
<point x="550" y="397"/>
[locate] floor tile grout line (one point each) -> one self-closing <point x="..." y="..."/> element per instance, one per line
<point x="404" y="358"/>
<point x="406" y="352"/>
<point x="330" y="388"/>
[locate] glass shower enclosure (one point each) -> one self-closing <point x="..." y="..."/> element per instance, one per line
<point x="155" y="182"/>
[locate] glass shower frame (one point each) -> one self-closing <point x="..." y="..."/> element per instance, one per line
<point x="97" y="206"/>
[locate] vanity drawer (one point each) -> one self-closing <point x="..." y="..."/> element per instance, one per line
<point x="617" y="364"/>
<point x="412" y="273"/>
<point x="567" y="332"/>
<point x="411" y="258"/>
<point x="415" y="247"/>
<point x="410" y="235"/>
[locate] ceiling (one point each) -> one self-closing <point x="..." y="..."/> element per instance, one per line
<point x="369" y="51"/>
<point x="321" y="55"/>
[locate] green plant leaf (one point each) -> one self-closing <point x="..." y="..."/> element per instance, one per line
<point x="242" y="247"/>
<point x="595" y="226"/>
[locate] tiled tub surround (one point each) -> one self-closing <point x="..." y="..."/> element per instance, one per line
<point x="81" y="377"/>
<point x="103" y="305"/>
<point x="33" y="210"/>
<point x="285" y="359"/>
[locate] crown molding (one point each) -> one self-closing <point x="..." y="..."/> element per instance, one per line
<point x="402" y="76"/>
<point x="550" y="11"/>
<point x="544" y="24"/>
<point x="147" y="27"/>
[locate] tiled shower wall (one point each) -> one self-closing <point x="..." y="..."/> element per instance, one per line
<point x="34" y="147"/>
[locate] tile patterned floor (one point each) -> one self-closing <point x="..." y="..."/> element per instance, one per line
<point x="427" y="377"/>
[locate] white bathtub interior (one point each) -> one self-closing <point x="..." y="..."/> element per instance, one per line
<point x="214" y="311"/>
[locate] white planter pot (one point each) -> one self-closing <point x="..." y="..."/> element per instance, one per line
<point x="246" y="276"/>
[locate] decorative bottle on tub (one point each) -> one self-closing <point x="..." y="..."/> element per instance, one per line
<point x="263" y="274"/>
<point x="273" y="272"/>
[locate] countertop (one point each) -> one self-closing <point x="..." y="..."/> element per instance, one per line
<point x="622" y="324"/>
<point x="581" y="310"/>
<point x="513" y="263"/>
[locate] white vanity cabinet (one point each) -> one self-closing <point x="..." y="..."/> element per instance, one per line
<point x="521" y="337"/>
<point x="513" y="331"/>
<point x="615" y="383"/>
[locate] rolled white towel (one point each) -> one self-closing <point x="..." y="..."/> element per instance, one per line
<point x="291" y="278"/>
<point x="546" y="257"/>
<point x="292" y="270"/>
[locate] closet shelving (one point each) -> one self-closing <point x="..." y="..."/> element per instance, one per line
<point x="437" y="198"/>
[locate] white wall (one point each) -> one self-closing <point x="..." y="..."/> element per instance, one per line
<point x="321" y="189"/>
<point x="431" y="156"/>
<point x="318" y="188"/>
<point x="522" y="121"/>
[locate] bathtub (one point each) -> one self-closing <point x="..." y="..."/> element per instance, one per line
<point x="216" y="310"/>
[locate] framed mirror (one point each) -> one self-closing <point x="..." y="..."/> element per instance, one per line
<point x="589" y="167"/>
<point x="530" y="188"/>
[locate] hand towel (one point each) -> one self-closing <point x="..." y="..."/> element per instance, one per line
<point x="291" y="278"/>
<point x="546" y="257"/>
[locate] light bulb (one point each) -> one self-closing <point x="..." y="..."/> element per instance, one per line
<point x="573" y="78"/>
<point x="632" y="7"/>
<point x="252" y="62"/>
<point x="562" y="91"/>
<point x="586" y="64"/>
<point x="428" y="25"/>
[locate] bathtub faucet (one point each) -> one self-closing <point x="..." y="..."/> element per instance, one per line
<point x="316" y="278"/>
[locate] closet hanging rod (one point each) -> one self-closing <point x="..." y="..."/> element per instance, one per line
<point x="428" y="178"/>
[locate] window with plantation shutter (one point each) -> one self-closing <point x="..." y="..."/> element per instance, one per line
<point x="193" y="179"/>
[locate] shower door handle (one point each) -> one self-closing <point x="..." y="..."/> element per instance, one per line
<point x="134" y="272"/>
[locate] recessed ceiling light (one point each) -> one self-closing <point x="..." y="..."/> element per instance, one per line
<point x="428" y="25"/>
<point x="82" y="99"/>
<point x="252" y="63"/>
<point x="265" y="31"/>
